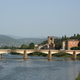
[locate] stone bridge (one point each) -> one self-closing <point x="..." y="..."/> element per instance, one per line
<point x="25" y="52"/>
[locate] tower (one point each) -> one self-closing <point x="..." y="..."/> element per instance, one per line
<point x="51" y="42"/>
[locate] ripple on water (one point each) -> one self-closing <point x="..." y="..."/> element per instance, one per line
<point x="38" y="69"/>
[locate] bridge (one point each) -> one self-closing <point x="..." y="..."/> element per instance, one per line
<point x="49" y="52"/>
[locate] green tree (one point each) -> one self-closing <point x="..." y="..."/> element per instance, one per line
<point x="5" y="47"/>
<point x="74" y="35"/>
<point x="58" y="45"/>
<point x="65" y="36"/>
<point x="78" y="35"/>
<point x="31" y="45"/>
<point x="78" y="78"/>
<point x="74" y="48"/>
<point x="79" y="44"/>
<point x="44" y="42"/>
<point x="13" y="47"/>
<point x="23" y="46"/>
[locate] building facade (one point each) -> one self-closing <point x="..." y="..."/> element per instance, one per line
<point x="49" y="45"/>
<point x="51" y="42"/>
<point x="66" y="45"/>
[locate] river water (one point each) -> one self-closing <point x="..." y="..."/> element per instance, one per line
<point x="37" y="68"/>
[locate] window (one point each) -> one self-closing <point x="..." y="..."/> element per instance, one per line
<point x="50" y="38"/>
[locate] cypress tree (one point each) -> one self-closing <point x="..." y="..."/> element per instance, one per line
<point x="79" y="44"/>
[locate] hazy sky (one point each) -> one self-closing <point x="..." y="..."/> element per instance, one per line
<point x="36" y="18"/>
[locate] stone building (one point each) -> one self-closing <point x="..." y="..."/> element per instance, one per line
<point x="49" y="45"/>
<point x="66" y="45"/>
<point x="51" y="42"/>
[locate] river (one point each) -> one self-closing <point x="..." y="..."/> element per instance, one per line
<point x="37" y="68"/>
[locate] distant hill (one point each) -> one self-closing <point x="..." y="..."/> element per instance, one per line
<point x="19" y="37"/>
<point x="15" y="37"/>
<point x="10" y="41"/>
<point x="34" y="40"/>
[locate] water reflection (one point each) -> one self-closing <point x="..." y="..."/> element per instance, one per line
<point x="37" y="68"/>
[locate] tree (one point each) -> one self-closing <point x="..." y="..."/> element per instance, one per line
<point x="79" y="44"/>
<point x="13" y="47"/>
<point x="44" y="42"/>
<point x="65" y="37"/>
<point x="74" y="48"/>
<point x="6" y="47"/>
<point x="23" y="46"/>
<point x="31" y="45"/>
<point x="58" y="46"/>
<point x="74" y="35"/>
<point x="77" y="34"/>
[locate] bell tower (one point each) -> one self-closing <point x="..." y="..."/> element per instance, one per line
<point x="51" y="42"/>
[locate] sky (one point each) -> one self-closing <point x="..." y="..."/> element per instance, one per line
<point x="39" y="18"/>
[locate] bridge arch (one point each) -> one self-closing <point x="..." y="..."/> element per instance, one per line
<point x="33" y="51"/>
<point x="37" y="54"/>
<point x="51" y="51"/>
<point x="62" y="54"/>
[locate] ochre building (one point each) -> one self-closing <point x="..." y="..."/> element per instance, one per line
<point x="66" y="45"/>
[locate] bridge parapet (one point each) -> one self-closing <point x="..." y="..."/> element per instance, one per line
<point x="18" y="51"/>
<point x="77" y="51"/>
<point x="46" y="51"/>
<point x="5" y="51"/>
<point x="69" y="51"/>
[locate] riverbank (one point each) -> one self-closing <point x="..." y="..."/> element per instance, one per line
<point x="78" y="78"/>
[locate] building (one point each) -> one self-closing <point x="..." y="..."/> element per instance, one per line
<point x="66" y="45"/>
<point x="49" y="45"/>
<point x="51" y="42"/>
<point x="63" y="45"/>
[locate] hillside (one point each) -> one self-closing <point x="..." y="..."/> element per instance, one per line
<point x="34" y="40"/>
<point x="9" y="41"/>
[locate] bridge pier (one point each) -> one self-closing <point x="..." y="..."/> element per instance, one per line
<point x="25" y="56"/>
<point x="0" y="56"/>
<point x="74" y="55"/>
<point x="49" y="56"/>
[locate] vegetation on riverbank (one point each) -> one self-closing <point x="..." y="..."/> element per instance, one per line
<point x="14" y="53"/>
<point x="66" y="55"/>
<point x="37" y="54"/>
<point x="31" y="54"/>
<point x="78" y="78"/>
<point x="78" y="56"/>
<point x="62" y="55"/>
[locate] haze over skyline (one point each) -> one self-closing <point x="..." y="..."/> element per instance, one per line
<point x="34" y="18"/>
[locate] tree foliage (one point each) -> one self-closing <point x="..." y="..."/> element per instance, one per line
<point x="60" y="54"/>
<point x="31" y="45"/>
<point x="74" y="48"/>
<point x="23" y="46"/>
<point x="43" y="43"/>
<point x="37" y="54"/>
<point x="79" y="44"/>
<point x="58" y="46"/>
<point x="78" y="78"/>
